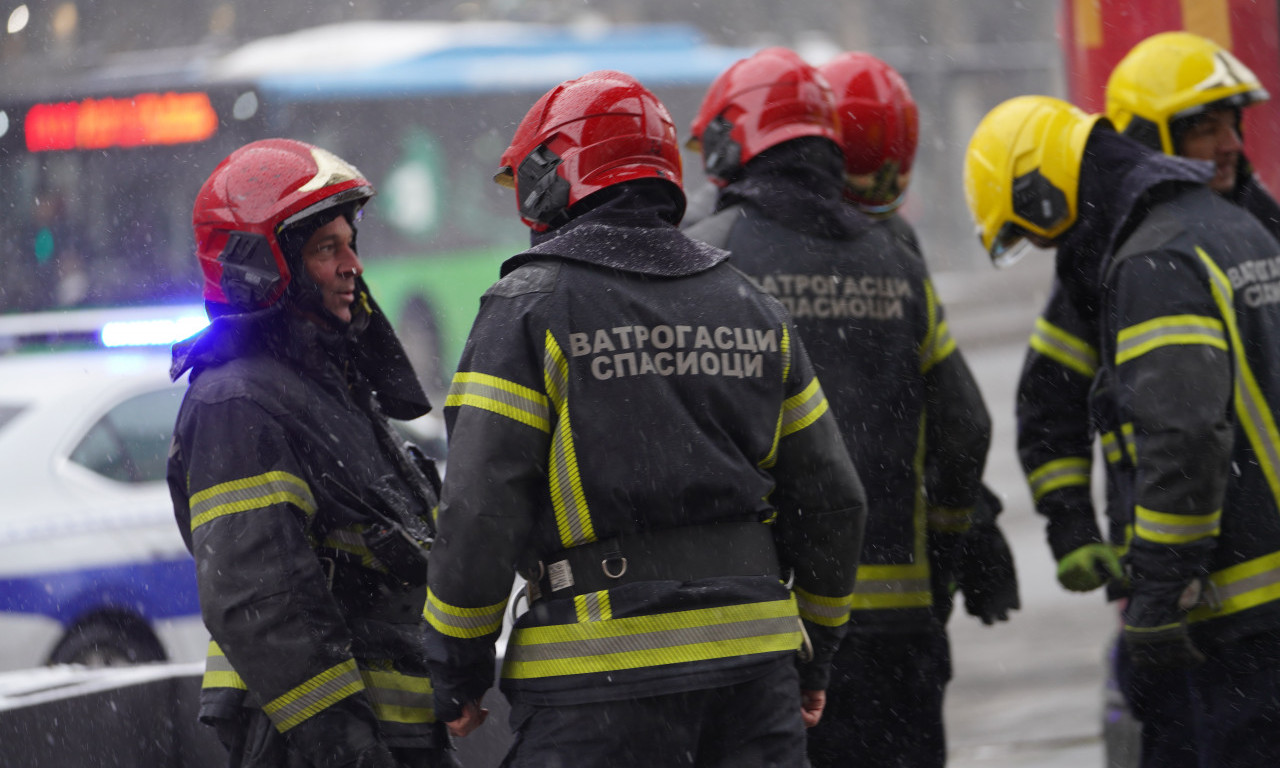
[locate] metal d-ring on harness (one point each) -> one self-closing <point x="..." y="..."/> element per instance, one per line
<point x="687" y="553"/>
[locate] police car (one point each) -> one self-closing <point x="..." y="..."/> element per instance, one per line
<point x="93" y="569"/>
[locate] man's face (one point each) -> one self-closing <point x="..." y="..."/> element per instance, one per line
<point x="330" y="258"/>
<point x="1213" y="136"/>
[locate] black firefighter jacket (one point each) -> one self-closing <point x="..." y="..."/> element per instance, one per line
<point x="279" y="453"/>
<point x="622" y="384"/>
<point x="1055" y="426"/>
<point x="1189" y="379"/>
<point x="910" y="412"/>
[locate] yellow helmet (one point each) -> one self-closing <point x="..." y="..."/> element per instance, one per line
<point x="1021" y="172"/>
<point x="1173" y="76"/>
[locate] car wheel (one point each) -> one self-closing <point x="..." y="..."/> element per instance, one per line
<point x="108" y="641"/>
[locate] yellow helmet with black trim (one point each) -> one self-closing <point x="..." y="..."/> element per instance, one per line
<point x="1173" y="76"/>
<point x="1022" y="172"/>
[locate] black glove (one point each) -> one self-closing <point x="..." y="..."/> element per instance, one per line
<point x="984" y="565"/>
<point x="1155" y="624"/>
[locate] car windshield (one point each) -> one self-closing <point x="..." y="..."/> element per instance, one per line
<point x="131" y="442"/>
<point x="7" y="412"/>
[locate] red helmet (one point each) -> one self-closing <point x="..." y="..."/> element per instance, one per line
<point x="250" y="198"/>
<point x="880" y="125"/>
<point x="760" y="101"/>
<point x="601" y="129"/>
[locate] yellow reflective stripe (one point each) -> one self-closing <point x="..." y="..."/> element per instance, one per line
<point x="1255" y="414"/>
<point x="1057" y="474"/>
<point x="250" y="493"/>
<point x="799" y="411"/>
<point x="399" y="698"/>
<point x="218" y="672"/>
<point x="821" y="609"/>
<point x="455" y="621"/>
<point x="1065" y="349"/>
<point x="593" y="606"/>
<point x="657" y="639"/>
<point x="505" y="398"/>
<point x="1241" y="586"/>
<point x="314" y="696"/>
<point x="937" y="342"/>
<point x="573" y="517"/>
<point x="1137" y="340"/>
<point x="1111" y="444"/>
<point x="771" y="457"/>
<point x="949" y="519"/>
<point x="1165" y="528"/>
<point x="881" y="587"/>
<point x="351" y="541"/>
<point x="1151" y="630"/>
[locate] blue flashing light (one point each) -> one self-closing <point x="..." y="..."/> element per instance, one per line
<point x="146" y="333"/>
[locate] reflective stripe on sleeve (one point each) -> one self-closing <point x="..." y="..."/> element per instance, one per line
<point x="823" y="610"/>
<point x="1165" y="528"/>
<point x="881" y="587"/>
<point x="1116" y="446"/>
<point x="799" y="411"/>
<point x="771" y="458"/>
<point x="397" y="697"/>
<point x="505" y="398"/>
<point x="653" y="640"/>
<point x="218" y="672"/>
<point x="455" y="621"/>
<point x="1058" y="474"/>
<point x="314" y="696"/>
<point x="250" y="493"/>
<point x="1065" y="349"/>
<point x="1137" y="340"/>
<point x="937" y="343"/>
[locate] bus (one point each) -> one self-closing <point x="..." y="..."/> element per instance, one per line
<point x="100" y="168"/>
<point x="1096" y="34"/>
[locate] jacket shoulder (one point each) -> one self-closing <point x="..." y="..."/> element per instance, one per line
<point x="538" y="276"/>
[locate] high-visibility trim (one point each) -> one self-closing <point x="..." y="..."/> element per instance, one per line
<point x="1166" y="528"/>
<point x="1115" y="446"/>
<point x="1242" y="586"/>
<point x="771" y="458"/>
<point x="573" y="516"/>
<point x="456" y="621"/>
<point x="1137" y="340"/>
<point x="653" y="640"/>
<point x="250" y="493"/>
<point x="823" y="610"/>
<point x="948" y="519"/>
<point x="799" y="411"/>
<point x="351" y="541"/>
<point x="399" y="698"/>
<point x="1065" y="349"/>
<point x="314" y="696"/>
<point x="218" y="672"/>
<point x="937" y="343"/>
<point x="1151" y="630"/>
<point x="1057" y="474"/>
<point x="882" y="587"/>
<point x="1252" y="409"/>
<point x="505" y="398"/>
<point x="593" y="606"/>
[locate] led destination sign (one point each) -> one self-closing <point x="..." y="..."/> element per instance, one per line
<point x="147" y="119"/>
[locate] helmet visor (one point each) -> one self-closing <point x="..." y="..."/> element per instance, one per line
<point x="1010" y="244"/>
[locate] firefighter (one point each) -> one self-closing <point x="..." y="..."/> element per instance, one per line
<point x="1181" y="94"/>
<point x="307" y="517"/>
<point x="1178" y="279"/>
<point x="770" y="138"/>
<point x="637" y="429"/>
